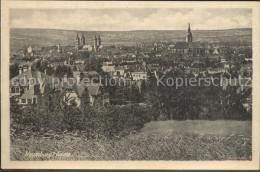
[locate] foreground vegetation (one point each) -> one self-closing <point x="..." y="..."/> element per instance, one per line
<point x="73" y="146"/>
<point x="127" y="133"/>
<point x="160" y="140"/>
<point x="222" y="128"/>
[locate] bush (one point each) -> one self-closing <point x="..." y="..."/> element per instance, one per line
<point x="109" y="122"/>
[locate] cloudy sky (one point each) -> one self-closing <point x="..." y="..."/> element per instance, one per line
<point x="130" y="19"/>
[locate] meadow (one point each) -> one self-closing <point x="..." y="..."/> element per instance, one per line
<point x="162" y="140"/>
<point x="221" y="128"/>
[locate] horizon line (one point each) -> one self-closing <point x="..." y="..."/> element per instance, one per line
<point x="131" y="30"/>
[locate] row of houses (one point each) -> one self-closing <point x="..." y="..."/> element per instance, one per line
<point x="46" y="92"/>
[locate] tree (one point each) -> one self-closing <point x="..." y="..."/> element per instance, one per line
<point x="228" y="53"/>
<point x="14" y="70"/>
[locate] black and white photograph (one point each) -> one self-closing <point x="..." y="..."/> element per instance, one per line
<point x="130" y="84"/>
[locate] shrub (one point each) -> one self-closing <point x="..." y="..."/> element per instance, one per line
<point x="109" y="122"/>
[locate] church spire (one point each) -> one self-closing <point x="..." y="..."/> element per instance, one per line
<point x="83" y="39"/>
<point x="189" y="34"/>
<point x="77" y="41"/>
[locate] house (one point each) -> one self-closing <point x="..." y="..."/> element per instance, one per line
<point x="216" y="51"/>
<point x="34" y="87"/>
<point x="226" y="65"/>
<point x="79" y="61"/>
<point x="73" y="92"/>
<point x="153" y="66"/>
<point x="108" y="67"/>
<point x="244" y="86"/>
<point x="33" y="50"/>
<point x="139" y="75"/>
<point x="194" y="48"/>
<point x="223" y="60"/>
<point x="97" y="95"/>
<point x="119" y="71"/>
<point x="25" y="66"/>
<point x="81" y="94"/>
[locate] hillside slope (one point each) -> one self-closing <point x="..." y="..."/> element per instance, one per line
<point x="44" y="37"/>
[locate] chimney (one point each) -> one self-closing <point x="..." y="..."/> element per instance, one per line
<point x="20" y="70"/>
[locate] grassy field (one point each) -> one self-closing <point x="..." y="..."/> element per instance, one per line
<point x="157" y="141"/>
<point x="199" y="127"/>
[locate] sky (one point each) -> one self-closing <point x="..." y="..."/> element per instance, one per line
<point x="131" y="19"/>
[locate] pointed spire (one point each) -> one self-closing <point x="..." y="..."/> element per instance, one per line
<point x="189" y="26"/>
<point x="77" y="36"/>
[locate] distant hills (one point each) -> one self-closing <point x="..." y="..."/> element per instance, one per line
<point x="46" y="37"/>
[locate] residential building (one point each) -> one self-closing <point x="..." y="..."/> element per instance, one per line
<point x="35" y="88"/>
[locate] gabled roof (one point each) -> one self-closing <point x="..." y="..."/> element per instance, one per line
<point x="93" y="89"/>
<point x="40" y="78"/>
<point x="79" y="89"/>
<point x="120" y="68"/>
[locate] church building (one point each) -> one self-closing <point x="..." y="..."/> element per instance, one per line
<point x="189" y="35"/>
<point x="80" y="43"/>
<point x="189" y="47"/>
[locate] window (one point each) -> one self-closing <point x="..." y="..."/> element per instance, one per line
<point x="12" y="90"/>
<point x="17" y="90"/>
<point x="34" y="100"/>
<point x="23" y="100"/>
<point x="29" y="101"/>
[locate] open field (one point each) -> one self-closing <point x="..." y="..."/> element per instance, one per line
<point x="198" y="127"/>
<point x="157" y="141"/>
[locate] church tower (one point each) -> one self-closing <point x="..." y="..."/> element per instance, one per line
<point x="99" y="41"/>
<point x="83" y="40"/>
<point x="95" y="43"/>
<point x="189" y="35"/>
<point x="77" y="42"/>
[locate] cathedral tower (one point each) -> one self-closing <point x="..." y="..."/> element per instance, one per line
<point x="77" y="42"/>
<point x="99" y="41"/>
<point x="95" y="43"/>
<point x="83" y="41"/>
<point x="189" y="34"/>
